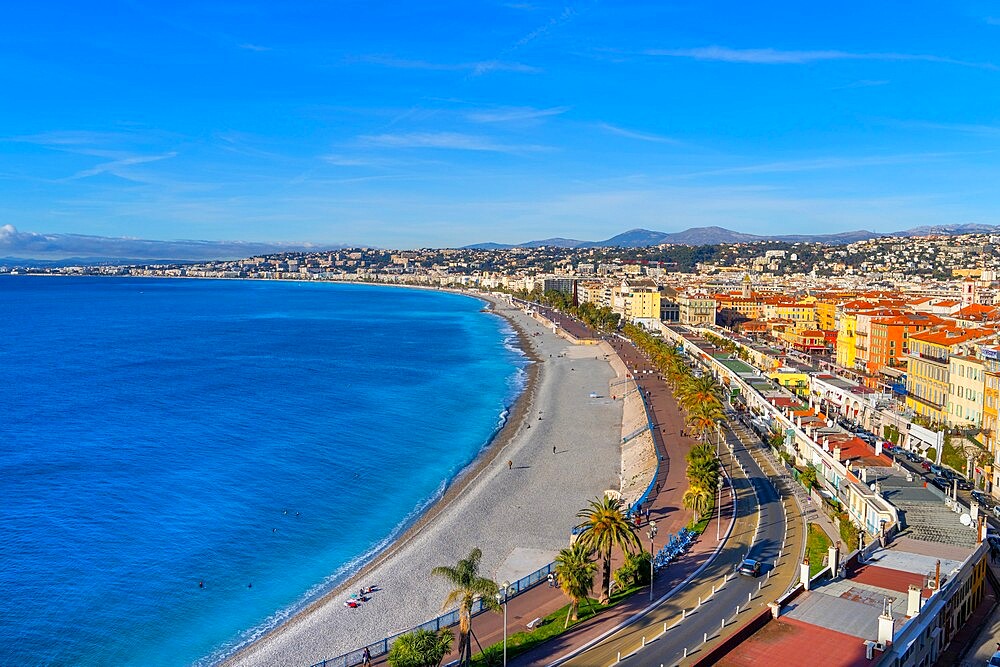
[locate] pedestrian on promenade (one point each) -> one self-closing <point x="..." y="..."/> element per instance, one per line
<point x="552" y="580"/>
<point x="510" y="465"/>
<point x="367" y="656"/>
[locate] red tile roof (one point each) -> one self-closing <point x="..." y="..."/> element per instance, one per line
<point x="791" y="642"/>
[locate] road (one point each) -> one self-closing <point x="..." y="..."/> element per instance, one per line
<point x="688" y="622"/>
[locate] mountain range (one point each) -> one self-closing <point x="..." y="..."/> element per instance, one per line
<point x="641" y="238"/>
<point x="24" y="248"/>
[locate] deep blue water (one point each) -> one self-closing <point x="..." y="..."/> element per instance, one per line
<point x="155" y="434"/>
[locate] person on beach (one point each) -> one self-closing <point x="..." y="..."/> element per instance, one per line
<point x="510" y="465"/>
<point x="553" y="449"/>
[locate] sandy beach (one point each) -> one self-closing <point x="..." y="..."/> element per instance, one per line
<point x="519" y="517"/>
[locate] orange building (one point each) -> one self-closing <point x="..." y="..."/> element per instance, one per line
<point x="889" y="338"/>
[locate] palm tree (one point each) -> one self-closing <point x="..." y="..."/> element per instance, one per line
<point x="604" y="528"/>
<point x="468" y="586"/>
<point x="703" y="467"/>
<point x="703" y="418"/>
<point x="575" y="574"/>
<point x="420" y="648"/>
<point x="704" y="389"/>
<point x="698" y="499"/>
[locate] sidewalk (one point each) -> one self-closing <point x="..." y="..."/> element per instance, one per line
<point x="665" y="508"/>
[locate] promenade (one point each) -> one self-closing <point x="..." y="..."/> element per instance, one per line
<point x="665" y="508"/>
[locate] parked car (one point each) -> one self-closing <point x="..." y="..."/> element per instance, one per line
<point x="996" y="511"/>
<point x="964" y="484"/>
<point x="936" y="469"/>
<point x="942" y="483"/>
<point x="981" y="498"/>
<point x="749" y="568"/>
<point x="926" y="465"/>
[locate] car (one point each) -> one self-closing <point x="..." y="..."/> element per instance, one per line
<point x="964" y="485"/>
<point x="936" y="469"/>
<point x="942" y="483"/>
<point x="926" y="465"/>
<point x="749" y="568"/>
<point x="981" y="498"/>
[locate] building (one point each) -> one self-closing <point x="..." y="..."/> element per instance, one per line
<point x="967" y="382"/>
<point x="696" y="309"/>
<point x="928" y="368"/>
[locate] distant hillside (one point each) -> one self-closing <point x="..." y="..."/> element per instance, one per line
<point x="71" y="249"/>
<point x="640" y="238"/>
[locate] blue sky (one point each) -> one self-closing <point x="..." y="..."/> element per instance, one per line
<point x="447" y="123"/>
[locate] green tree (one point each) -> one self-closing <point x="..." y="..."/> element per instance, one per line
<point x="421" y="648"/>
<point x="702" y="467"/>
<point x="703" y="418"/>
<point x="604" y="528"/>
<point x="575" y="574"/>
<point x="697" y="499"/>
<point x="808" y="477"/>
<point x="634" y="571"/>
<point x="467" y="587"/>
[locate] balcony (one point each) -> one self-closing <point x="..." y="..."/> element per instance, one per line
<point x="930" y="357"/>
<point x="929" y="403"/>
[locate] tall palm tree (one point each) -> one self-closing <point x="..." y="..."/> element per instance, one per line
<point x="704" y="389"/>
<point x="702" y="467"/>
<point x="703" y="418"/>
<point x="605" y="527"/>
<point x="575" y="574"/>
<point x="698" y="499"/>
<point x="467" y="586"/>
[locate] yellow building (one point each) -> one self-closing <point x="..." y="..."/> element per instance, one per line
<point x="846" y="340"/>
<point x="991" y="408"/>
<point x="966" y="386"/>
<point x="793" y="379"/>
<point x="928" y="368"/>
<point x="826" y="314"/>
<point x="636" y="299"/>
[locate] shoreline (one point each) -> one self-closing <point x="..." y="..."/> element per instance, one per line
<point x="487" y="455"/>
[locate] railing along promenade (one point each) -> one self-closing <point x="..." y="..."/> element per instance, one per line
<point x="520" y="586"/>
<point x="445" y="620"/>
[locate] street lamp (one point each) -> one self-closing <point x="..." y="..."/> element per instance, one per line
<point x="652" y="557"/>
<point x="718" y="510"/>
<point x="502" y="594"/>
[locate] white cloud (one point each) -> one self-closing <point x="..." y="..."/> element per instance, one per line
<point x="117" y="167"/>
<point x="778" y="57"/>
<point x="514" y="114"/>
<point x="444" y="140"/>
<point x="639" y="136"/>
<point x="476" y="68"/>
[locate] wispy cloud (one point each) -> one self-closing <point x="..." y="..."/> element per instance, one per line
<point x="638" y="136"/>
<point x="514" y="114"/>
<point x="254" y="47"/>
<point x="863" y="83"/>
<point x="965" y="128"/>
<point x="817" y="164"/>
<point x="119" y="167"/>
<point x="779" y="57"/>
<point x="476" y="68"/>
<point x="444" y="140"/>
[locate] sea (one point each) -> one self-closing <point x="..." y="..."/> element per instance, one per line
<point x="186" y="463"/>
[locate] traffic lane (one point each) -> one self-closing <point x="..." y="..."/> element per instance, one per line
<point x="690" y="633"/>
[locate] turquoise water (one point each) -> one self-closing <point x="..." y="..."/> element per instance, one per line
<point x="261" y="438"/>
